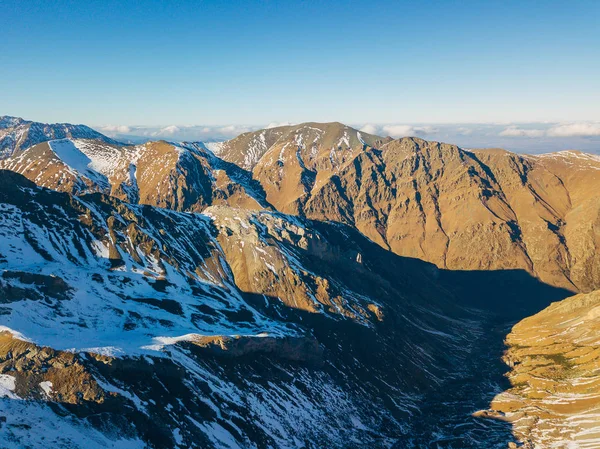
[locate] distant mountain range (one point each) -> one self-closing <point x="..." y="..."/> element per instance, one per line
<point x="526" y="138"/>
<point x="18" y="134"/>
<point x="299" y="286"/>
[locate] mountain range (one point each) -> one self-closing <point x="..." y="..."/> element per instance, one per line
<point x="301" y="286"/>
<point x="18" y="134"/>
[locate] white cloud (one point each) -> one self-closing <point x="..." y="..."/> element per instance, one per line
<point x="112" y="130"/>
<point x="167" y="131"/>
<point x="278" y="124"/>
<point x="464" y="131"/>
<point x="583" y="129"/>
<point x="528" y="137"/>
<point x="397" y="130"/>
<point x="514" y="131"/>
<point x="176" y="132"/>
<point x="406" y="130"/>
<point x="370" y="129"/>
<point x="233" y="130"/>
<point x="578" y="129"/>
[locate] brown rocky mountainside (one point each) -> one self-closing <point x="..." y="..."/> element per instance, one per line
<point x="285" y="142"/>
<point x="555" y="359"/>
<point x="459" y="209"/>
<point x="183" y="177"/>
<point x="462" y="210"/>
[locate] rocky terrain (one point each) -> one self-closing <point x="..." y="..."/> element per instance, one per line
<point x="183" y="177"/>
<point x="555" y="358"/>
<point x="213" y="307"/>
<point x="419" y="199"/>
<point x="18" y="134"/>
<point x="306" y="139"/>
<point x="303" y="286"/>
<point x="462" y="210"/>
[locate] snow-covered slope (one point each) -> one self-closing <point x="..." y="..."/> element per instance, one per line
<point x="17" y="134"/>
<point x="153" y="297"/>
<point x="225" y="329"/>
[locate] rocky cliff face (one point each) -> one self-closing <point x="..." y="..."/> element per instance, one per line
<point x="183" y="177"/>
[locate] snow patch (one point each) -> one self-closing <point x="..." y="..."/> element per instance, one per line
<point x="77" y="161"/>
<point x="7" y="386"/>
<point x="47" y="387"/>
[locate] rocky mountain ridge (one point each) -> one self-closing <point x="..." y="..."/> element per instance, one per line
<point x="18" y="134"/>
<point x="459" y="209"/>
<point x="183" y="177"/>
<point x="462" y="210"/>
<point x="306" y="139"/>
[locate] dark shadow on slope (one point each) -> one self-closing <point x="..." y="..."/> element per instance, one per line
<point x="511" y="295"/>
<point x="504" y="298"/>
<point x="469" y="369"/>
<point x="432" y="361"/>
<point x="499" y="299"/>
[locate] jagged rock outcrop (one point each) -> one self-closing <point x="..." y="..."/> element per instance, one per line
<point x="43" y="373"/>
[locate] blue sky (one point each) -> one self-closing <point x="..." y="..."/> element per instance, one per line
<point x="249" y="62"/>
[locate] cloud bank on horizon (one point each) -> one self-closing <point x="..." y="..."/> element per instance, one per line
<point x="520" y="137"/>
<point x="140" y="133"/>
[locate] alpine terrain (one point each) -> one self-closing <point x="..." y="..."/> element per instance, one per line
<point x="304" y="286"/>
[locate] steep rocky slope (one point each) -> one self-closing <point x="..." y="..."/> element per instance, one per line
<point x="555" y="359"/>
<point x="18" y="134"/>
<point x="462" y="210"/>
<point x="184" y="177"/>
<point x="302" y="142"/>
<point x="136" y="325"/>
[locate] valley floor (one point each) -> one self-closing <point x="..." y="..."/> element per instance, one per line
<point x="447" y="417"/>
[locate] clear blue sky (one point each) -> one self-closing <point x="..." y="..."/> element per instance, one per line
<point x="233" y="62"/>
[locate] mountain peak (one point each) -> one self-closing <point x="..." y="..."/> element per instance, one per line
<point x="17" y="134"/>
<point x="248" y="149"/>
<point x="8" y="121"/>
